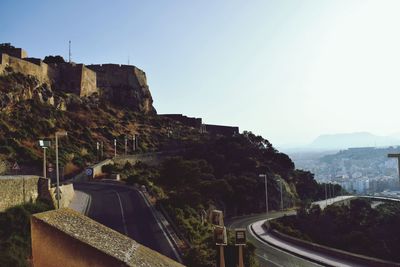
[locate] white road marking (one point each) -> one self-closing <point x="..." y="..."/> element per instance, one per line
<point x="264" y="257"/>
<point x="122" y="213"/>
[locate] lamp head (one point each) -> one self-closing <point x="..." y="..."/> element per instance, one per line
<point x="63" y="133"/>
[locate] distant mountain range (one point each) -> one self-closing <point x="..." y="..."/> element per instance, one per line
<point x="346" y="140"/>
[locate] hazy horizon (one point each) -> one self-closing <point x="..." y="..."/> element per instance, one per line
<point x="287" y="70"/>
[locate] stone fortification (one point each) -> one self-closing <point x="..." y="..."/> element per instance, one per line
<point x="66" y="238"/>
<point x="189" y="121"/>
<point x="124" y="85"/>
<point x="8" y="49"/>
<point x="29" y="66"/>
<point x="74" y="78"/>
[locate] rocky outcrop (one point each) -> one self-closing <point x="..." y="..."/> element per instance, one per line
<point x="16" y="87"/>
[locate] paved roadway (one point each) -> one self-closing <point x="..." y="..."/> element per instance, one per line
<point x="268" y="255"/>
<point x="124" y="210"/>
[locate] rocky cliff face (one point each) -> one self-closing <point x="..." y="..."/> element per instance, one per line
<point x="16" y="87"/>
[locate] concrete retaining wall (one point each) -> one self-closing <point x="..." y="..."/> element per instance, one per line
<point x="66" y="238"/>
<point x="67" y="194"/>
<point x="17" y="190"/>
<point x="97" y="168"/>
<point x="363" y="260"/>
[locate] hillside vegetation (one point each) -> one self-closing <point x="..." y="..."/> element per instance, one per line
<point x="207" y="172"/>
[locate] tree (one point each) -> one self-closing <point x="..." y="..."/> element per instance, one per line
<point x="53" y="59"/>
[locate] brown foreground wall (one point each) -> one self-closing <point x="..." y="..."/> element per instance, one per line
<point x="66" y="238"/>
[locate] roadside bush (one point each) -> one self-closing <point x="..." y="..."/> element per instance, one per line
<point x="15" y="245"/>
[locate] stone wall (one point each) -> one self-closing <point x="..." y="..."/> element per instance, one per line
<point x="12" y="51"/>
<point x="124" y="85"/>
<point x="88" y="82"/>
<point x="66" y="238"/>
<point x="97" y="169"/>
<point x="38" y="69"/>
<point x="17" y="190"/>
<point x="220" y="129"/>
<point x="68" y="77"/>
<point x="188" y="121"/>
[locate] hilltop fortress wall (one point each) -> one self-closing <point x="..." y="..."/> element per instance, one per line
<point x="123" y="85"/>
<point x="39" y="69"/>
<point x="75" y="78"/>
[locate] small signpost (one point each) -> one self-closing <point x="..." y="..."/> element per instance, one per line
<point x="15" y="166"/>
<point x="220" y="236"/>
<point x="217" y="217"/>
<point x="89" y="172"/>
<point x="240" y="240"/>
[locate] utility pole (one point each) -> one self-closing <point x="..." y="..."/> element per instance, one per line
<point x="115" y="148"/>
<point x="69" y="52"/>
<point x="57" y="169"/>
<point x="266" y="191"/>
<point x="102" y="150"/>
<point x="281" y="196"/>
<point x="97" y="151"/>
<point x="126" y="145"/>
<point x="44" y="162"/>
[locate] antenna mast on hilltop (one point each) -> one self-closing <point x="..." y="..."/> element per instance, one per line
<point x="69" y="52"/>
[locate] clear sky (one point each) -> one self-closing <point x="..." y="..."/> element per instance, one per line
<point x="288" y="70"/>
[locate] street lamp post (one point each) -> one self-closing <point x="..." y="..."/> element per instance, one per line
<point x="126" y="145"/>
<point x="115" y="148"/>
<point x="266" y="191"/>
<point x="57" y="169"/>
<point x="281" y="195"/>
<point x="102" y="151"/>
<point x="97" y="151"/>
<point x="44" y="144"/>
<point x="44" y="162"/>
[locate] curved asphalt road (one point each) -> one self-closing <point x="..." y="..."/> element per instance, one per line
<point x="268" y="255"/>
<point x="124" y="210"/>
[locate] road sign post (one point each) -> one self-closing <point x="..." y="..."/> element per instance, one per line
<point x="217" y="218"/>
<point x="16" y="167"/>
<point x="220" y="238"/>
<point x="240" y="241"/>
